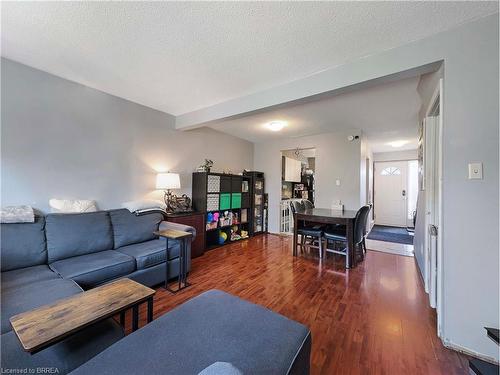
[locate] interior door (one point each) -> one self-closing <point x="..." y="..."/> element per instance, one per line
<point x="391" y="193"/>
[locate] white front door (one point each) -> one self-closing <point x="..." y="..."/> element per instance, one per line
<point x="391" y="193"/>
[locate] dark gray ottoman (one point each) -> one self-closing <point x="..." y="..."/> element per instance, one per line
<point x="213" y="329"/>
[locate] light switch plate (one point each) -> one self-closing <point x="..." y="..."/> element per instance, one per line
<point x="337" y="182"/>
<point x="475" y="171"/>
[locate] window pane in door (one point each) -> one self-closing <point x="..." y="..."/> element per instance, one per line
<point x="391" y="171"/>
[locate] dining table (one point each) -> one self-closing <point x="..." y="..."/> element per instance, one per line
<point x="327" y="216"/>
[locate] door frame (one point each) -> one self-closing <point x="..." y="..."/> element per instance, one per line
<point x="437" y="102"/>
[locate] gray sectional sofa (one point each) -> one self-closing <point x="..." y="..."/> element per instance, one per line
<point x="60" y="255"/>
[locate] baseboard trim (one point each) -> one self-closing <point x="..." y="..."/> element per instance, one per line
<point x="280" y="234"/>
<point x="472" y="353"/>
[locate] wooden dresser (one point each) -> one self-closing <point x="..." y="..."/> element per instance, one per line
<point x="196" y="220"/>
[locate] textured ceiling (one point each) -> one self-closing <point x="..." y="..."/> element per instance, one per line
<point x="181" y="56"/>
<point x="385" y="113"/>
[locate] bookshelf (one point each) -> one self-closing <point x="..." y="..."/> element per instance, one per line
<point x="226" y="202"/>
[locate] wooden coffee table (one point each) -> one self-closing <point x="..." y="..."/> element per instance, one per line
<point x="49" y="324"/>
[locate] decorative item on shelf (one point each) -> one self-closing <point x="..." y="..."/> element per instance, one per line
<point x="234" y="218"/>
<point x="225" y="220"/>
<point x="212" y="219"/>
<point x="205" y="167"/>
<point x="166" y="182"/>
<point x="244" y="186"/>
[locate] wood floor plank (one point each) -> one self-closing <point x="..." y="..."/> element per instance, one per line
<point x="373" y="319"/>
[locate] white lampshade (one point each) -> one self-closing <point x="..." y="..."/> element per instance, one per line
<point x="168" y="181"/>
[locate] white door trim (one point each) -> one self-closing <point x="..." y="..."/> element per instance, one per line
<point x="437" y="99"/>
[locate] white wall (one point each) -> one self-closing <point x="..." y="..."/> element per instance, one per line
<point x="395" y="155"/>
<point x="61" y="139"/>
<point x="336" y="158"/>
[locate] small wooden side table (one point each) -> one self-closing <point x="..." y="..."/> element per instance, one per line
<point x="182" y="237"/>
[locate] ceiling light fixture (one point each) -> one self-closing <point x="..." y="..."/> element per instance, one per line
<point x="276" y="126"/>
<point x="397" y="144"/>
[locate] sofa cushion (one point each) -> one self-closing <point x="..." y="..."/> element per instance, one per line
<point x="70" y="235"/>
<point x="27" y="276"/>
<point x="27" y="297"/>
<point x="93" y="269"/>
<point x="217" y="327"/>
<point x="150" y="253"/>
<point x="23" y="244"/>
<point x="129" y="228"/>
<point x="63" y="357"/>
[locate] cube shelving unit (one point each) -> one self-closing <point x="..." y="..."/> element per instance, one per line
<point x="217" y="193"/>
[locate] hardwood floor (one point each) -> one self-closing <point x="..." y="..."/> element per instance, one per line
<point x="373" y="319"/>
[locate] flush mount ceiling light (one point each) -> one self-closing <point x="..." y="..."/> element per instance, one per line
<point x="397" y="144"/>
<point x="276" y="126"/>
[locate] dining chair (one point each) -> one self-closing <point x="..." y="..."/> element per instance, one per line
<point x="314" y="232"/>
<point x="308" y="204"/>
<point x="334" y="234"/>
<point x="365" y="235"/>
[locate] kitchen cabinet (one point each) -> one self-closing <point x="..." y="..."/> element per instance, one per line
<point x="292" y="170"/>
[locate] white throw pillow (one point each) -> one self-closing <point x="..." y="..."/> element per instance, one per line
<point x="143" y="204"/>
<point x="72" y="205"/>
<point x="17" y="214"/>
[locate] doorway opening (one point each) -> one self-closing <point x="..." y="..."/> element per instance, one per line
<point x="298" y="168"/>
<point x="396" y="189"/>
<point x="395" y="202"/>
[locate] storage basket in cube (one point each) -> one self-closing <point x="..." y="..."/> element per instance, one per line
<point x="225" y="201"/>
<point x="212" y="202"/>
<point x="213" y="184"/>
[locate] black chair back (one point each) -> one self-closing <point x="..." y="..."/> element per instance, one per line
<point x="308" y="204"/>
<point x="370" y="206"/>
<point x="297" y="206"/>
<point x="300" y="205"/>
<point x="360" y="224"/>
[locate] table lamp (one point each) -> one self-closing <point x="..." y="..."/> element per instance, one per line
<point x="166" y="182"/>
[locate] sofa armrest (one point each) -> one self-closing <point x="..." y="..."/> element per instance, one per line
<point x="164" y="225"/>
